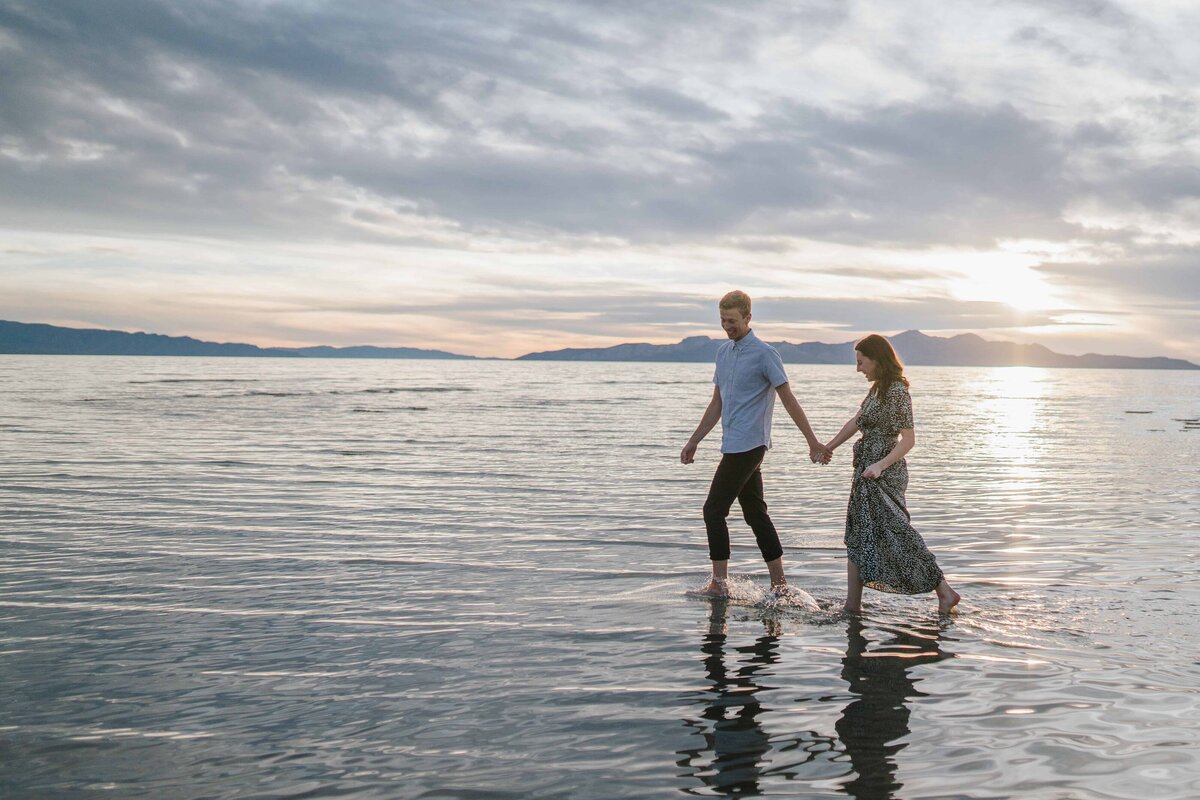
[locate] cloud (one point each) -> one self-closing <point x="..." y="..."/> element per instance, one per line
<point x="613" y="151"/>
<point x="1168" y="279"/>
<point x="673" y="105"/>
<point x="199" y="118"/>
<point x="666" y="316"/>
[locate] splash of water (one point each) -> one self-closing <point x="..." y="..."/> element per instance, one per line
<point x="745" y="592"/>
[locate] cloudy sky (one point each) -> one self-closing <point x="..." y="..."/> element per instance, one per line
<point x="499" y="177"/>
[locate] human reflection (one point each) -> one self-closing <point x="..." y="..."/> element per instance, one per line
<point x="733" y="757"/>
<point x="873" y="723"/>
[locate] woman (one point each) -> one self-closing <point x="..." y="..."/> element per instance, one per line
<point x="883" y="550"/>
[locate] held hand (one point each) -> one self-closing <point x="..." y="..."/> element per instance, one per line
<point x="819" y="453"/>
<point x="688" y="454"/>
<point x="872" y="472"/>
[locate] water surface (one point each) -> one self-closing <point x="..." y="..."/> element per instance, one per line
<point x="284" y="578"/>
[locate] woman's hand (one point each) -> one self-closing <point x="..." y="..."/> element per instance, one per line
<point x="874" y="471"/>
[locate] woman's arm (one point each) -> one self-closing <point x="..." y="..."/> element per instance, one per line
<point x="899" y="409"/>
<point x="848" y="430"/>
<point x="908" y="438"/>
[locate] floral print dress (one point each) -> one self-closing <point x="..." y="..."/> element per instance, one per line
<point x="890" y="554"/>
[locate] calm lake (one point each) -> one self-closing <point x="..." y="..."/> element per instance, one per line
<point x="270" y="578"/>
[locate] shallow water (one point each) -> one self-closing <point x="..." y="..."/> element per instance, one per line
<point x="280" y="578"/>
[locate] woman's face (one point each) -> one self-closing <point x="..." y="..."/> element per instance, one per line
<point x="865" y="365"/>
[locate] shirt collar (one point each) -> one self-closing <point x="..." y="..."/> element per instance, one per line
<point x="745" y="340"/>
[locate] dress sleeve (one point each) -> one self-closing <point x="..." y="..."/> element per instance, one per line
<point x="901" y="407"/>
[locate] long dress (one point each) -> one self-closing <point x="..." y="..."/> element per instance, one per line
<point x="891" y="556"/>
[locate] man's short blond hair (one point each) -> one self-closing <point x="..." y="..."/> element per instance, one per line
<point x="737" y="299"/>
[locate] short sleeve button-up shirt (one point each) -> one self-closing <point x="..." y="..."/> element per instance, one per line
<point x="747" y="373"/>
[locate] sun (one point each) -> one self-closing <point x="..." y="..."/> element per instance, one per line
<point x="1009" y="275"/>
<point x="1018" y="286"/>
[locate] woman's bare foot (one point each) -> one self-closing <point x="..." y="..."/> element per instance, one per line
<point x="849" y="609"/>
<point x="947" y="599"/>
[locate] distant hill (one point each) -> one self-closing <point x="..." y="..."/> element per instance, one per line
<point x="916" y="348"/>
<point x="966" y="350"/>
<point x="38" y="339"/>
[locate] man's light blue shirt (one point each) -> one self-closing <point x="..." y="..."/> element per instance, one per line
<point x="747" y="374"/>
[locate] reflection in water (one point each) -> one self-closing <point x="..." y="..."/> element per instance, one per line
<point x="1014" y="406"/>
<point x="873" y="723"/>
<point x="734" y="756"/>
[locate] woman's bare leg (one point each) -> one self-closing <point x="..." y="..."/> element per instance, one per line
<point x="854" y="587"/>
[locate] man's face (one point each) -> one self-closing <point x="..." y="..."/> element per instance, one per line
<point x="736" y="326"/>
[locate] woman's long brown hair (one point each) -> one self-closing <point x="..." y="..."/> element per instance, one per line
<point x="889" y="367"/>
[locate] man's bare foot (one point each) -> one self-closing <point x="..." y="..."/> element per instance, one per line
<point x="714" y="588"/>
<point x="781" y="589"/>
<point x="947" y="600"/>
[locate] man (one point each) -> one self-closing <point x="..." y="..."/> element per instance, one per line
<point x="748" y="370"/>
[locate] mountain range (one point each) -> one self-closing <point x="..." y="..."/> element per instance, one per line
<point x="915" y="348"/>
<point x="33" y="338"/>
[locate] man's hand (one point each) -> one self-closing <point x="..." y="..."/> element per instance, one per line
<point x="819" y="453"/>
<point x="688" y="454"/>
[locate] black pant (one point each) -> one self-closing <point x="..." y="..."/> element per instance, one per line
<point x="739" y="476"/>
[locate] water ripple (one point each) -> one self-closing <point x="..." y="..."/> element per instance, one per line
<point x="444" y="579"/>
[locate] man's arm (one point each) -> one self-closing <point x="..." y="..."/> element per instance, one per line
<point x="712" y="415"/>
<point x="816" y="450"/>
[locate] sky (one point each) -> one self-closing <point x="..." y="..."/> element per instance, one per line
<point x="495" y="178"/>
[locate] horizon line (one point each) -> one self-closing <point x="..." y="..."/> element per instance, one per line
<point x="448" y="355"/>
